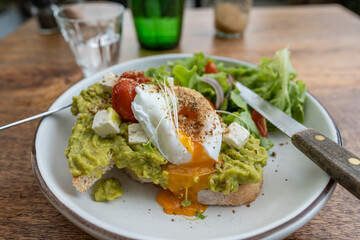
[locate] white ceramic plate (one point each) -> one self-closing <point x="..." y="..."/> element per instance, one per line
<point x="294" y="189"/>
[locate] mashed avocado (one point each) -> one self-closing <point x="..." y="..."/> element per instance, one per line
<point x="88" y="153"/>
<point x="238" y="166"/>
<point x="107" y="189"/>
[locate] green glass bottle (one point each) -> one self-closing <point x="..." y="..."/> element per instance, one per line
<point x="158" y="23"/>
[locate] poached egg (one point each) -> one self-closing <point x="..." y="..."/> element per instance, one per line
<point x="153" y="108"/>
<point x="183" y="126"/>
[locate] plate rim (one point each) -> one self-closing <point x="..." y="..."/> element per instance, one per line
<point x="101" y="232"/>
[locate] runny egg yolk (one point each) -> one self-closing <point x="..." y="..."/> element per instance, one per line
<point x="185" y="180"/>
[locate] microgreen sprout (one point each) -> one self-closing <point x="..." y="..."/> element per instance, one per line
<point x="148" y="145"/>
<point x="198" y="215"/>
<point x="186" y="203"/>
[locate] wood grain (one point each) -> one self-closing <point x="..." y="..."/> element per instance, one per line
<point x="342" y="165"/>
<point x="35" y="70"/>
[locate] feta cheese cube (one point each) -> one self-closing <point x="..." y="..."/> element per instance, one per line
<point x="106" y="122"/>
<point x="137" y="134"/>
<point x="108" y="81"/>
<point x="236" y="136"/>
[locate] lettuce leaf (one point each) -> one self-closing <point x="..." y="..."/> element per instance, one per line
<point x="185" y="77"/>
<point x="199" y="60"/>
<point x="237" y="102"/>
<point x="297" y="92"/>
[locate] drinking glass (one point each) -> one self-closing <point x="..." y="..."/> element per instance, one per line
<point x="158" y="23"/>
<point x="93" y="32"/>
<point x="231" y="17"/>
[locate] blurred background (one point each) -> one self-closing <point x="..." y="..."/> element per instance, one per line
<point x="14" y="13"/>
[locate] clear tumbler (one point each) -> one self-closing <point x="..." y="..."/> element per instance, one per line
<point x="93" y="32"/>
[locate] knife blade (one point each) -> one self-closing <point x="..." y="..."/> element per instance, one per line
<point x="339" y="163"/>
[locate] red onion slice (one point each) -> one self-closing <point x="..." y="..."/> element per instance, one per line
<point x="230" y="81"/>
<point x="218" y="90"/>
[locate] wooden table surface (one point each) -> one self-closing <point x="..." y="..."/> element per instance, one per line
<point x="36" y="69"/>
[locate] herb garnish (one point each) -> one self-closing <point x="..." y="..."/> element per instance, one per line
<point x="198" y="215"/>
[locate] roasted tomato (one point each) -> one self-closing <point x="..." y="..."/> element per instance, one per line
<point x="260" y="123"/>
<point x="124" y="93"/>
<point x="122" y="96"/>
<point x="138" y="76"/>
<point x="211" y="67"/>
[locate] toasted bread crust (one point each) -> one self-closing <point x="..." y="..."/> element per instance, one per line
<point x="246" y="193"/>
<point x="82" y="183"/>
<point x="135" y="177"/>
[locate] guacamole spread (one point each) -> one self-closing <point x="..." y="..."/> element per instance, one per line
<point x="107" y="189"/>
<point x="238" y="166"/>
<point x="88" y="153"/>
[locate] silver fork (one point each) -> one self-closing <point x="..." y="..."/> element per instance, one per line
<point x="44" y="114"/>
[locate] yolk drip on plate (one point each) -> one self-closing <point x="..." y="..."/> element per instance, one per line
<point x="185" y="180"/>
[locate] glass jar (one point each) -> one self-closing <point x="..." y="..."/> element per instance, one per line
<point x="231" y="17"/>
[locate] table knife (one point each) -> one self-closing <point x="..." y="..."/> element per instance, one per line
<point x="339" y="163"/>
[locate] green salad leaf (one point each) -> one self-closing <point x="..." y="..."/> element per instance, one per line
<point x="157" y="74"/>
<point x="199" y="60"/>
<point x="185" y="77"/>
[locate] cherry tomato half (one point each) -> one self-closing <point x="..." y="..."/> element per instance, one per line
<point x="211" y="67"/>
<point x="260" y="123"/>
<point x="122" y="95"/>
<point x="138" y="76"/>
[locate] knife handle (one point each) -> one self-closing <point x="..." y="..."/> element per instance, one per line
<point x="342" y="165"/>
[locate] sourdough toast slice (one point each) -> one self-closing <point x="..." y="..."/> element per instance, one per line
<point x="82" y="183"/>
<point x="246" y="193"/>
